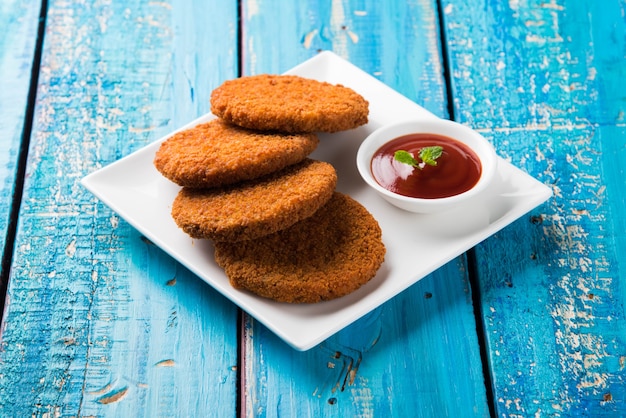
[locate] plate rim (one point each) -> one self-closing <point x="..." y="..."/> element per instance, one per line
<point x="541" y="193"/>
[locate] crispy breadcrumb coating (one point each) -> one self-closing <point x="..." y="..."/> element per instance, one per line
<point x="217" y="153"/>
<point x="323" y="257"/>
<point x="257" y="207"/>
<point x="289" y="103"/>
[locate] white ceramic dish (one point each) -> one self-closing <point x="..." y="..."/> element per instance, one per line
<point x="461" y="133"/>
<point x="139" y="194"/>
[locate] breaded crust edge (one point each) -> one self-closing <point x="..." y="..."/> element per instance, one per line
<point x="289" y="103"/>
<point x="255" y="208"/>
<point x="323" y="257"/>
<point x="216" y="153"/>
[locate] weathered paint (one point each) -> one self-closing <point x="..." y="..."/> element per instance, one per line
<point x="403" y="359"/>
<point x="18" y="20"/>
<point x="545" y="82"/>
<point x="418" y="354"/>
<point x="99" y="321"/>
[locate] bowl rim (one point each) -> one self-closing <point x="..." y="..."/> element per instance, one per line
<point x="443" y="127"/>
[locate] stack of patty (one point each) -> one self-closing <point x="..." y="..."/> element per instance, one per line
<point x="279" y="227"/>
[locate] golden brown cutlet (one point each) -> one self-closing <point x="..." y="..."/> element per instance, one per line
<point x="217" y="153"/>
<point x="289" y="103"/>
<point x="255" y="208"/>
<point x="328" y="255"/>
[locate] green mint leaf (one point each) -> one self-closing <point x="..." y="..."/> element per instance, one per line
<point x="405" y="157"/>
<point x="429" y="155"/>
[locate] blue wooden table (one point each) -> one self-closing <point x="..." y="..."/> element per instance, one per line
<point x="98" y="321"/>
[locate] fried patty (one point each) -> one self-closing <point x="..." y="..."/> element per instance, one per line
<point x="289" y="103"/>
<point x="323" y="257"/>
<point x="217" y="153"/>
<point x="255" y="208"/>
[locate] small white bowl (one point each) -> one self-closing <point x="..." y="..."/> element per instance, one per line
<point x="476" y="142"/>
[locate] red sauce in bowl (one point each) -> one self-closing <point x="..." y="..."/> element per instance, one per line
<point x="457" y="170"/>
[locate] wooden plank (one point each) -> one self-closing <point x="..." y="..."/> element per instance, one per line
<point x="19" y="21"/>
<point x="545" y="82"/>
<point x="418" y="354"/>
<point x="100" y="322"/>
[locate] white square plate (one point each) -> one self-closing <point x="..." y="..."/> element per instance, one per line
<point x="134" y="189"/>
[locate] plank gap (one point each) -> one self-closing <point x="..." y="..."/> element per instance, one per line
<point x="22" y="157"/>
<point x="240" y="45"/>
<point x="240" y="407"/>
<point x="472" y="268"/>
<point x="241" y="364"/>
<point x="445" y="61"/>
<point x="470" y="255"/>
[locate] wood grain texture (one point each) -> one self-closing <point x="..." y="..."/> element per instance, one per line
<point x="418" y="354"/>
<point x="99" y="321"/>
<point x="545" y="82"/>
<point x="18" y="21"/>
<point x="410" y="357"/>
